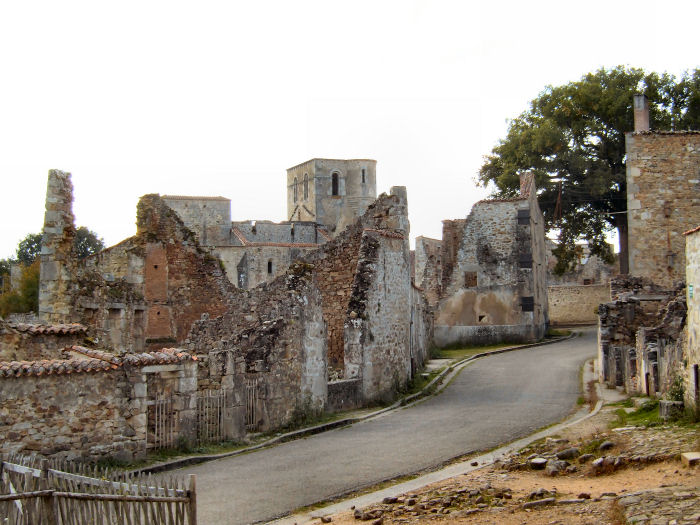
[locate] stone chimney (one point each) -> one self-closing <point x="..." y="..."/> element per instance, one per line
<point x="57" y="257"/>
<point x="527" y="182"/>
<point x="641" y="113"/>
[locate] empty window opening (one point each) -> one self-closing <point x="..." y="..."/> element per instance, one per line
<point x="481" y="318"/>
<point x="525" y="260"/>
<point x="306" y="186"/>
<point x="269" y="266"/>
<point x="155" y="266"/>
<point x="587" y="281"/>
<point x="334" y="184"/>
<point x="528" y="304"/>
<point x="364" y="172"/>
<point x="295" y="189"/>
<point x="470" y="279"/>
<point x="524" y="217"/>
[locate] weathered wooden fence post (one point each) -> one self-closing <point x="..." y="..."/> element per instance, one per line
<point x="192" y="495"/>
<point x="47" y="502"/>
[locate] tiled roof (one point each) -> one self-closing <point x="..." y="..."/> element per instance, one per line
<point x="692" y="231"/>
<point x="55" y="329"/>
<point x="324" y="234"/>
<point x="511" y="199"/>
<point x="93" y="361"/>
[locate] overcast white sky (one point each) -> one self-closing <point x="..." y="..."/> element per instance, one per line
<point x="219" y="98"/>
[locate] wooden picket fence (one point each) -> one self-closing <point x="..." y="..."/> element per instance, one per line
<point x="42" y="492"/>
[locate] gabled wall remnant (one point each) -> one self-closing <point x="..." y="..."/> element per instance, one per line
<point x="494" y="273"/>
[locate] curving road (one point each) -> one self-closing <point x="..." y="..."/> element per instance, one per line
<point x="492" y="401"/>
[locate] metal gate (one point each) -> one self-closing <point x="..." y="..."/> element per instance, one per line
<point x="211" y="415"/>
<point x="251" y="404"/>
<point x="161" y="423"/>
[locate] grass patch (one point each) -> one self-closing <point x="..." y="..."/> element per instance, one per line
<point x="645" y="416"/>
<point x="553" y="332"/>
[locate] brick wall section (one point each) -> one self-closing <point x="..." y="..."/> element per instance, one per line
<point x="663" y="200"/>
<point x="57" y="257"/>
<point x="691" y="370"/>
<point x="576" y="304"/>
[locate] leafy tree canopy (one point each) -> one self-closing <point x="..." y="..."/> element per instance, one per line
<point x="86" y="243"/>
<point x="573" y="139"/>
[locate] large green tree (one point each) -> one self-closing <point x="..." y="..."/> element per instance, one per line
<point x="573" y="139"/>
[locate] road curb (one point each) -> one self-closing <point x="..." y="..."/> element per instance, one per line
<point x="426" y="392"/>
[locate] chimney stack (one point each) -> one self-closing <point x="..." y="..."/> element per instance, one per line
<point x="641" y="113"/>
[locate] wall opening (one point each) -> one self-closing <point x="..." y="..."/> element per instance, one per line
<point x="306" y="186"/>
<point x="364" y="175"/>
<point x="269" y="266"/>
<point x="334" y="184"/>
<point x="528" y="303"/>
<point x="295" y="189"/>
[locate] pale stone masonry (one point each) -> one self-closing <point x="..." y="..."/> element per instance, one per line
<point x="331" y="192"/>
<point x="691" y="364"/>
<point x="663" y="201"/>
<point x="494" y="269"/>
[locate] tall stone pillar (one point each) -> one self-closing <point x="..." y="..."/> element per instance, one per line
<point x="57" y="257"/>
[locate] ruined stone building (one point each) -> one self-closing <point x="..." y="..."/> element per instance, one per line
<point x="643" y="332"/>
<point x="487" y="282"/>
<point x="154" y="328"/>
<point x="331" y="192"/>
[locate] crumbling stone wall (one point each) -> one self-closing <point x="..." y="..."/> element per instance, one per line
<point x="628" y="334"/>
<point x="576" y="304"/>
<point x="335" y="265"/>
<point x="273" y="338"/>
<point x="377" y="327"/>
<point x="494" y="274"/>
<point x="208" y="217"/>
<point x="663" y="199"/>
<point x="691" y="358"/>
<point x="90" y="404"/>
<point x="144" y="292"/>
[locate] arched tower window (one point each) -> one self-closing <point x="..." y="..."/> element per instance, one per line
<point x="295" y="190"/>
<point x="334" y="184"/>
<point x="306" y="186"/>
<point x="269" y="266"/>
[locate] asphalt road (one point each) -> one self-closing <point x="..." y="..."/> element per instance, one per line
<point x="492" y="401"/>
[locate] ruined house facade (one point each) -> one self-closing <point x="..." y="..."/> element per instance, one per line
<point x="643" y="333"/>
<point x="155" y="322"/>
<point x="487" y="283"/>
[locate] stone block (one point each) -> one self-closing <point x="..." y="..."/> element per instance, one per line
<point x="690" y="459"/>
